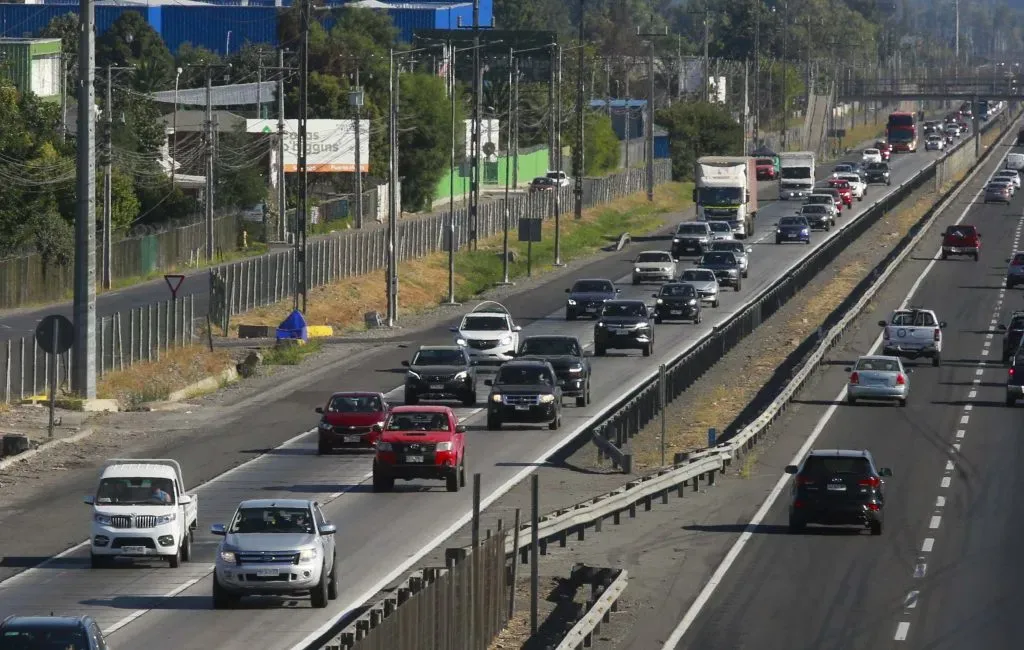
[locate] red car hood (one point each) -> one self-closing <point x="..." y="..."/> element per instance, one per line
<point x="353" y="419"/>
<point x="765" y="166"/>
<point x="419" y="436"/>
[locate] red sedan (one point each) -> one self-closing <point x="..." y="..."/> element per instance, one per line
<point x="351" y="421"/>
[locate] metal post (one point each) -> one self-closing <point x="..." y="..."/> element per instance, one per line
<point x="757" y="73"/>
<point x="209" y="165"/>
<point x="534" y="550"/>
<point x="663" y="403"/>
<point x="451" y="179"/>
<point x="515" y="568"/>
<point x="85" y="213"/>
<point x="552" y="117"/>
<point x="474" y="198"/>
<point x="303" y="208"/>
<point x="174" y="130"/>
<point x="63" y="97"/>
<point x="649" y="126"/>
<point x="108" y="125"/>
<point x="474" y="599"/>
<point x="629" y="113"/>
<point x="508" y="176"/>
<point x="282" y="195"/>
<point x="578" y="159"/>
<point x="558" y="160"/>
<point x="515" y="124"/>
<point x="392" y="280"/>
<point x="259" y="84"/>
<point x="785" y="75"/>
<point x="746" y="103"/>
<point x="359" y="159"/>
<point x="53" y="379"/>
<point x="707" y="58"/>
<point x="475" y="526"/>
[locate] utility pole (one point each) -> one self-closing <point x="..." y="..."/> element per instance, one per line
<point x="552" y="118"/>
<point x="282" y="194"/>
<point x="63" y="97"/>
<point x="757" y="73"/>
<point x="208" y="203"/>
<point x="558" y="161"/>
<point x="629" y="112"/>
<point x="785" y="75"/>
<point x="707" y="56"/>
<point x="84" y="308"/>
<point x="578" y="161"/>
<point x="451" y="178"/>
<point x="508" y="171"/>
<point x="746" y="104"/>
<point x="515" y="124"/>
<point x="956" y="41"/>
<point x="649" y="122"/>
<point x="301" y="214"/>
<point x="259" y="84"/>
<point x="392" y="275"/>
<point x="356" y="100"/>
<point x="474" y="198"/>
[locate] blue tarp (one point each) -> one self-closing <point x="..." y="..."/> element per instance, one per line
<point x="293" y="327"/>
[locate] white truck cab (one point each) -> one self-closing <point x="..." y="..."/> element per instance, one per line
<point x="140" y="510"/>
<point x="488" y="334"/>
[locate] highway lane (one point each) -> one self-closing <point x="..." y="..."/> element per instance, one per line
<point x="942" y="575"/>
<point x="117" y="595"/>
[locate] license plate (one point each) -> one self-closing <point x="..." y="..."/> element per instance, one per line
<point x="136" y="550"/>
<point x="437" y="387"/>
<point x="353" y="438"/>
<point x="414" y="459"/>
<point x="267" y="573"/>
<point x="591" y="308"/>
<point x="676" y="312"/>
<point x="522" y="407"/>
<point x="837" y="488"/>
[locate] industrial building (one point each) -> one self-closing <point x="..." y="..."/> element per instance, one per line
<point x="32" y="65"/>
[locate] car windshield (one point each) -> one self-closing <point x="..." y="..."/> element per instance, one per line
<point x="881" y="365"/>
<point x="623" y="309"/>
<point x="679" y="291"/>
<point x="485" y="323"/>
<point x="719" y="226"/>
<point x="524" y="376"/>
<point x="871" y="152"/>
<point x="1018" y="259"/>
<point x="272" y="519"/>
<point x="439" y="357"/>
<point x="765" y="161"/>
<point x="900" y="136"/>
<point x="718" y="258"/>
<point x="839" y="169"/>
<point x="593" y="286"/>
<point x="44" y="637"/>
<point x="832" y="465"/>
<point x="135" y="491"/>
<point x="820" y="199"/>
<point x="719" y="195"/>
<point x="913" y="319"/>
<point x="840" y="185"/>
<point x="961" y="231"/>
<point x="551" y="346"/>
<point x="878" y="167"/>
<point x="417" y="421"/>
<point x="697" y="275"/>
<point x="692" y="229"/>
<point x="731" y="246"/>
<point x="653" y="257"/>
<point x="792" y="221"/>
<point x="1017" y="323"/>
<point x="796" y="172"/>
<point x="814" y="209"/>
<point x="356" y="403"/>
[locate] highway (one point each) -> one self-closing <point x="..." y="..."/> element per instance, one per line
<point x="943" y="575"/>
<point x="379" y="535"/>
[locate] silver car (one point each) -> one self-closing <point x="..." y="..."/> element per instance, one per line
<point x="934" y="143"/>
<point x="739" y="249"/>
<point x="705" y="282"/>
<point x="721" y="231"/>
<point x="654" y="266"/>
<point x="998" y="191"/>
<point x="1009" y="175"/>
<point x="878" y="378"/>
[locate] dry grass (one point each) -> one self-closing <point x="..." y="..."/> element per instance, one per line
<point x="423" y="282"/>
<point x="862" y="132"/>
<point x="154" y="381"/>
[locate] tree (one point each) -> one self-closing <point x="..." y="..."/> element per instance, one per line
<point x="424" y="137"/>
<point x="600" y="144"/>
<point x="698" y="129"/>
<point x="130" y="41"/>
<point x="193" y="61"/>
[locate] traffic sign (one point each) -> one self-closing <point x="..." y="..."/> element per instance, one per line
<point x="55" y="334"/>
<point x="174" y="281"/>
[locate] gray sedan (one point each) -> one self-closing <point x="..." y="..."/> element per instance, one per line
<point x="878" y="378"/>
<point x="737" y="248"/>
<point x="705" y="282"/>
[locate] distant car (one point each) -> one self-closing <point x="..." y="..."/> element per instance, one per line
<point x="842" y="168"/>
<point x="346" y="422"/>
<point x="677" y="301"/>
<point x="488" y="333"/>
<point x="871" y="156"/>
<point x="566" y="356"/>
<point x="691" y="238"/>
<point x="765" y="169"/>
<point x="46" y="632"/>
<point x="1015" y="272"/>
<point x="837" y="197"/>
<point x="1015" y="380"/>
<point x="739" y="249"/>
<point x="913" y="333"/>
<point x="845" y="190"/>
<point x="963" y="239"/>
<point x="525" y="391"/>
<point x="878" y="378"/>
<point x="720" y="231"/>
<point x="838" y="487"/>
<point x="952" y="132"/>
<point x="1012" y="335"/>
<point x="826" y="200"/>
<point x="705" y="282"/>
<point x="586" y="297"/>
<point x="543" y="184"/>
<point x="1011" y="175"/>
<point x="935" y="143"/>
<point x="440" y="372"/>
<point x="421" y="442"/>
<point x="819" y="217"/>
<point x="624" y="325"/>
<point x="654" y="266"/>
<point x="726" y="267"/>
<point x="559" y="178"/>
<point x="885" y="149"/>
<point x="858" y="188"/>
<point x="793" y="229"/>
<point x="998" y="192"/>
<point x="878" y="173"/>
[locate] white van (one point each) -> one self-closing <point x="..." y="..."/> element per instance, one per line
<point x="1015" y="161"/>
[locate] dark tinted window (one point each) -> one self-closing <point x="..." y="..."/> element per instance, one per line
<point x="439" y="358"/>
<point x="679" y="290"/>
<point x="524" y="375"/>
<point x="792" y="221"/>
<point x="831" y="465"/>
<point x="550" y="346"/>
<point x="593" y="286"/>
<point x="901" y="119"/>
<point x="624" y="309"/>
<point x="878" y="167"/>
<point x="731" y="246"/>
<point x="44" y="637"/>
<point x="356" y="403"/>
<point x="654" y="257"/>
<point x="272" y="520"/>
<point x="718" y="258"/>
<point x="1017" y="323"/>
<point x="1018" y="258"/>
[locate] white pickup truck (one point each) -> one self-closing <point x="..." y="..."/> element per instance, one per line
<point x="140" y="509"/>
<point x="912" y="333"/>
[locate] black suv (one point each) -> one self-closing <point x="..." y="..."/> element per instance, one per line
<point x="565" y="354"/>
<point x="838" y="487"/>
<point x="677" y="301"/>
<point x="877" y="173"/>
<point x="80" y="632"/>
<point x="1012" y="335"/>
<point x="726" y="267"/>
<point x="1015" y="380"/>
<point x="440" y="372"/>
<point x="587" y="296"/>
<point x="624" y="325"/>
<point x="524" y="391"/>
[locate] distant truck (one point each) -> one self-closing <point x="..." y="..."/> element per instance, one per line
<point x="797" y="180"/>
<point x="726" y="190"/>
<point x="140" y="510"/>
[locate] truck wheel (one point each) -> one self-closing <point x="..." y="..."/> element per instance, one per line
<point x="222" y="598"/>
<point x="554" y="424"/>
<point x="746" y="274"/>
<point x="332" y="584"/>
<point x="1009" y="284"/>
<point x="318" y="594"/>
<point x="451" y="482"/>
<point x="493" y="423"/>
<point x="175" y="560"/>
<point x="322" y="448"/>
<point x="383" y="483"/>
<point x="570" y="315"/>
<point x="186" y="547"/>
<point x="599" y="351"/>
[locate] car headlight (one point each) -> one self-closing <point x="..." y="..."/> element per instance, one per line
<point x="576" y="369"/>
<point x="460" y="376"/>
<point x="636" y="270"/>
<point x="660" y="301"/>
<point x="495" y="397"/>
<point x="307" y="555"/>
<point x="666" y="269"/>
<point x="409" y="374"/>
<point x="460" y="342"/>
<point x="714" y="288"/>
<point x="547" y="399"/>
<point x="675" y="240"/>
<point x="571" y="302"/>
<point x="444" y="446"/>
<point x="803" y="231"/>
<point x="600" y="324"/>
<point x="505" y="340"/>
<point x="228" y="557"/>
<point x="693" y="301"/>
<point x="166" y="519"/>
<point x="383" y="446"/>
<point x="324" y="425"/>
<point x="778" y="230"/>
<point x="101" y="519"/>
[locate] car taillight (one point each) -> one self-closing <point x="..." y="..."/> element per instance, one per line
<point x="854" y="378"/>
<point x="871" y="481"/>
<point x="1011" y="372"/>
<point x="804" y="480"/>
<point x="900" y="380"/>
<point x="798" y="504"/>
<point x="938" y="333"/>
<point x="873" y="507"/>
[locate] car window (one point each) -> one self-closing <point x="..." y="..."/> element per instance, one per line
<point x="593" y="286"/>
<point x="654" y="257"/>
<point x="792" y="221"/>
<point x="914" y="319"/>
<point x="678" y="291"/>
<point x="484" y="323"/>
<point x="272" y="519"/>
<point x="417" y="421"/>
<point x="832" y="465"/>
<point x="814" y="209"/>
<point x="718" y="258"/>
<point x="719" y="226"/>
<point x="358" y="403"/>
<point x="524" y="376"/>
<point x="624" y="309"/>
<point x="45" y="637"/>
<point x="1017" y="323"/>
<point x="1018" y="258"/>
<point x="882" y="365"/>
<point x="692" y="229"/>
<point x="550" y="346"/>
<point x="696" y="275"/>
<point x="731" y="246"/>
<point x="135" y="491"/>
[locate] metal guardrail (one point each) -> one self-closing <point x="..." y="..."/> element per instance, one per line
<point x="600" y="611"/>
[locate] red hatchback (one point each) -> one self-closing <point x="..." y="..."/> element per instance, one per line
<point x="347" y="422"/>
<point x="885" y="148"/>
<point x="844" y="190"/>
<point x="420" y="442"/>
<point x="961" y="240"/>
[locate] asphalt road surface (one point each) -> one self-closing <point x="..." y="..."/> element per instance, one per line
<point x="380" y="535"/>
<point x="943" y="575"/>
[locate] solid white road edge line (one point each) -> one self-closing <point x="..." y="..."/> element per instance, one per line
<point x="730" y="558"/>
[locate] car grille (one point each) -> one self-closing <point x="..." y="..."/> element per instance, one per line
<point x="705" y="292"/>
<point x="587" y="304"/>
<point x="520" y="400"/>
<point x="413" y="447"/>
<point x="438" y="379"/>
<point x="125" y="521"/>
<point x="344" y="428"/>
<point x="479" y="344"/>
<point x="290" y="557"/>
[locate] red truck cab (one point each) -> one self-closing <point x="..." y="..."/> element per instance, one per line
<point x="765" y="169"/>
<point x="420" y="442"/>
<point x="347" y="421"/>
<point x="885" y="149"/>
<point x="961" y="240"/>
<point x="844" y="190"/>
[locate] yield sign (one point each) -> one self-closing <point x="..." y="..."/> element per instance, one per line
<point x="174" y="281"/>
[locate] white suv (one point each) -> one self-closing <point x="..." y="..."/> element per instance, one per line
<point x="488" y="333"/>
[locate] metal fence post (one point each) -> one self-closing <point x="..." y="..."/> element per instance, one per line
<point x="515" y="567"/>
<point x="534" y="550"/>
<point x="662" y="393"/>
<point x="7" y="373"/>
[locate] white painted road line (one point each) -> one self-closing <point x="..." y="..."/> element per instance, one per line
<point x="910" y="602"/>
<point x="935" y="522"/>
<point x="928" y="545"/>
<point x="945" y="482"/>
<point x="901" y="631"/>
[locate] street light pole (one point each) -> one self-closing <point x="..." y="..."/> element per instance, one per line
<point x="579" y="157"/>
<point x="508" y="174"/>
<point x="174" y="129"/>
<point x="392" y="275"/>
<point x="451" y="179"/>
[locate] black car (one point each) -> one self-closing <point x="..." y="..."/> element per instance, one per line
<point x="624" y="325"/>
<point x="524" y="391"/>
<point x="838" y="487"/>
<point x="45" y="632"/>
<point x="565" y="354"/>
<point x="726" y="267"/>
<point x="878" y="172"/>
<point x="677" y="301"/>
<point x="440" y="372"/>
<point x="1015" y="380"/>
<point x="819" y="217"/>
<point x="587" y="296"/>
<point x="1012" y="335"/>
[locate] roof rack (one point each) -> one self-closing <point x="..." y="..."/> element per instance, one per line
<point x="490" y="307"/>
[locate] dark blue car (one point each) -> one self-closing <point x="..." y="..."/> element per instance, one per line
<point x="46" y="632"/>
<point x="587" y="296"/>
<point x="793" y="229"/>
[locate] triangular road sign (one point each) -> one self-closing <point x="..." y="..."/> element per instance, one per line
<point x="174" y="281"/>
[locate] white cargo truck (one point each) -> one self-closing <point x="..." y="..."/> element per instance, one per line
<point x="797" y="177"/>
<point x="726" y="190"/>
<point x="140" y="510"/>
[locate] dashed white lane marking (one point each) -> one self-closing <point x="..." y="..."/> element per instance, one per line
<point x="972" y="394"/>
<point x="945" y="481"/>
<point x="928" y="545"/>
<point x="984" y="353"/>
<point x="940" y="502"/>
<point x="968" y="407"/>
<point x="975" y="381"/>
<point x="920" y="570"/>
<point x="979" y="371"/>
<point x="910" y="602"/>
<point x="935" y="522"/>
<point x="964" y="419"/>
<point x="988" y="336"/>
<point x="988" y="343"/>
<point x="960" y="433"/>
<point x="956" y="447"/>
<point x="949" y="466"/>
<point x="901" y="631"/>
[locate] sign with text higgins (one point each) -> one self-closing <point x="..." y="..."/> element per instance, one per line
<point x="331" y="144"/>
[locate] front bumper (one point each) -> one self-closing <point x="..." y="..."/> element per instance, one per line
<point x="407" y="471"/>
<point x="819" y="224"/>
<point x="859" y="391"/>
<point x="707" y="296"/>
<point x="632" y="340"/>
<point x="652" y="275"/>
<point x="268" y="578"/>
<point x="522" y="413"/>
<point x="836" y="514"/>
<point x="439" y="391"/>
<point x="728" y="279"/>
<point x="878" y="179"/>
<point x="491" y="356"/>
<point x="119" y="542"/>
<point x="343" y="437"/>
<point x="583" y="308"/>
<point x="792" y="236"/>
<point x="680" y="312"/>
<point x="787" y="193"/>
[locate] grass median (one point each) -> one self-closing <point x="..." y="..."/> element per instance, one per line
<point x="716" y="403"/>
<point x="423" y="282"/>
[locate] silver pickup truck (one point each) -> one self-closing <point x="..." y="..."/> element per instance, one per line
<point x="912" y="333"/>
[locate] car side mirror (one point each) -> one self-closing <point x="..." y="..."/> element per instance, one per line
<point x="405" y="363"/>
<point x="885" y="471"/>
<point x="654" y="295"/>
<point x="750" y="249"/>
<point x="881" y="323"/>
<point x="848" y="369"/>
<point x="791" y="469"/>
<point x="488" y="382"/>
<point x="618" y="291"/>
<point x="1002" y="328"/>
<point x="942" y="325"/>
<point x="328" y="529"/>
<point x="185" y="499"/>
<point x="319" y="410"/>
<point x="376" y="428"/>
<point x="460" y="428"/>
<point x="88" y="500"/>
<point x="453" y="329"/>
<point x="517" y="328"/>
<point x="219" y="530"/>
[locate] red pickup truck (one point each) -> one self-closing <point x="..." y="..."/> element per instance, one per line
<point x="420" y="442"/>
<point x="961" y="240"/>
<point x="844" y="190"/>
